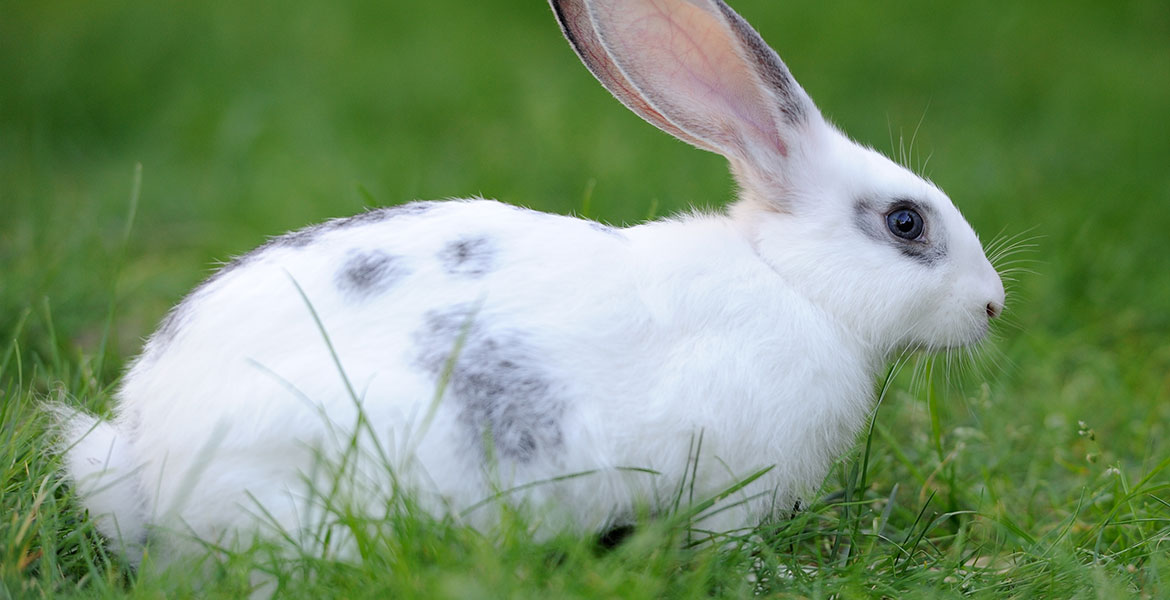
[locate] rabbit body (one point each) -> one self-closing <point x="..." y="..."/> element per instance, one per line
<point x="462" y="349"/>
<point x="576" y="347"/>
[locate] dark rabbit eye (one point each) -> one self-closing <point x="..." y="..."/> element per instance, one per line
<point x="905" y="223"/>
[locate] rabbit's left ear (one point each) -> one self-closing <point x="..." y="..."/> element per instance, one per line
<point x="697" y="70"/>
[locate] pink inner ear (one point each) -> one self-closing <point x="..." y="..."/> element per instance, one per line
<point x="684" y="59"/>
<point x="575" y="18"/>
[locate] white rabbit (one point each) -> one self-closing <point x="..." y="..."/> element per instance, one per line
<point x="559" y="346"/>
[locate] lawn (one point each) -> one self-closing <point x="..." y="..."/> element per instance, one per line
<point x="142" y="143"/>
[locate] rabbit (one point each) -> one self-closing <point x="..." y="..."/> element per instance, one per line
<point x="472" y="350"/>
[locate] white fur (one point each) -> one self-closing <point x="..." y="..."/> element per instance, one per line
<point x="759" y="331"/>
<point x="100" y="462"/>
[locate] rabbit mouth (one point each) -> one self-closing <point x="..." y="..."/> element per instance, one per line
<point x="951" y="338"/>
<point x="973" y="337"/>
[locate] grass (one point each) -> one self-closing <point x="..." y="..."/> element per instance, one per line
<point x="1041" y="472"/>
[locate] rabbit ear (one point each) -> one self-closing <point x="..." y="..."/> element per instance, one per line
<point x="697" y="70"/>
<point x="577" y="26"/>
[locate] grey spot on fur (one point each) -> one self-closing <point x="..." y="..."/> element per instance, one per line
<point x="300" y="238"/>
<point x="603" y="228"/>
<point x="368" y="273"/>
<point x="294" y="239"/>
<point x="469" y="256"/>
<point x="501" y="394"/>
<point x="870" y="217"/>
<point x="303" y="237"/>
<point x="170" y="325"/>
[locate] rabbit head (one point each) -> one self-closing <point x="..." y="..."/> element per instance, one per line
<point x="882" y="250"/>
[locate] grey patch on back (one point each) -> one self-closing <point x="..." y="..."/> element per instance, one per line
<point x="603" y="228"/>
<point x="505" y="401"/>
<point x="869" y="217"/>
<point x="468" y="256"/>
<point x="170" y="325"/>
<point x="367" y="273"/>
<point x="303" y="237"/>
<point x="173" y="321"/>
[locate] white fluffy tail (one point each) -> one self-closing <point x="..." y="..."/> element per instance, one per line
<point x="99" y="463"/>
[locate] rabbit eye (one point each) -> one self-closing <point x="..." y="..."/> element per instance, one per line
<point x="905" y="223"/>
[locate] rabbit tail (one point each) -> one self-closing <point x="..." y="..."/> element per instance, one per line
<point x="98" y="460"/>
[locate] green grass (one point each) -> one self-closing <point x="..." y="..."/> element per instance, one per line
<point x="1041" y="473"/>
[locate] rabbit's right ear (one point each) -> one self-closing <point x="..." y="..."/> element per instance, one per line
<point x="697" y="70"/>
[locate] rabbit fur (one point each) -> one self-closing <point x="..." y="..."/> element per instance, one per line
<point x="470" y="346"/>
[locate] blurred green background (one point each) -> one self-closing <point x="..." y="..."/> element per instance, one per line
<point x="1043" y="118"/>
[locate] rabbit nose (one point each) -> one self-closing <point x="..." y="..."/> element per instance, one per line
<point x="994" y="310"/>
